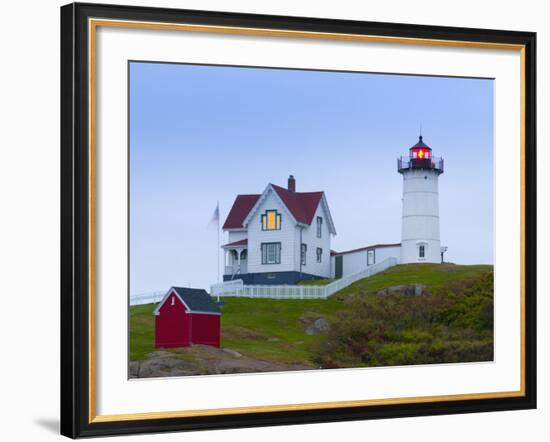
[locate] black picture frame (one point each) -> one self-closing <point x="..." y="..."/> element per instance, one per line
<point x="75" y="220"/>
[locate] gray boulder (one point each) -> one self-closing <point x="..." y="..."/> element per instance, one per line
<point x="231" y="352"/>
<point x="315" y="326"/>
<point x="133" y="369"/>
<point x="163" y="363"/>
<point x="405" y="290"/>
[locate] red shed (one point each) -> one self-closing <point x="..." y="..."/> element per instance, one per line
<point x="185" y="317"/>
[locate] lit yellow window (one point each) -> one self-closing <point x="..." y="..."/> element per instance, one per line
<point x="271" y="220"/>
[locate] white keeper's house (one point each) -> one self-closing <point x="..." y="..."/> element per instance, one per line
<point x="282" y="236"/>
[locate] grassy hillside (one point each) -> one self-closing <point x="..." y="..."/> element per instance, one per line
<point x="366" y="329"/>
<point x="452" y="321"/>
<point x="261" y="328"/>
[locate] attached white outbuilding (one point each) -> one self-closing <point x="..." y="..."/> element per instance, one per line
<point x="353" y="261"/>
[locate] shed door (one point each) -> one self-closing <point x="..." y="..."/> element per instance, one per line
<point x="173" y="324"/>
<point x="339" y="266"/>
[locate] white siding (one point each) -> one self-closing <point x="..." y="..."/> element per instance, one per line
<point x="420" y="225"/>
<point x="383" y="253"/>
<point x="357" y="261"/>
<point x="257" y="236"/>
<point x="297" y="249"/>
<point x="309" y="237"/>
<point x="354" y="262"/>
<point x="236" y="235"/>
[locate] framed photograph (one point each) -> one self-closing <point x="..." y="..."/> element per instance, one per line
<point x="273" y="220"/>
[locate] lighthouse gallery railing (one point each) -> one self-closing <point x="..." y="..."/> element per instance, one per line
<point x="406" y="162"/>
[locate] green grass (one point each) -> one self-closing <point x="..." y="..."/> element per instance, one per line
<point x="271" y="329"/>
<point x="260" y="328"/>
<point x="274" y="327"/>
<point x="142" y="331"/>
<point x="316" y="281"/>
<point x="434" y="276"/>
<point x="451" y="322"/>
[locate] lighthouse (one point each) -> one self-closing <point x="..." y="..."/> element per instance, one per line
<point x="420" y="241"/>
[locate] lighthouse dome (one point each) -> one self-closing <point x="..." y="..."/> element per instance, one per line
<point x="420" y="150"/>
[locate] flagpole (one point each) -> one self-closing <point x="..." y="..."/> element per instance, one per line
<point x="218" y="241"/>
<point x="218" y="246"/>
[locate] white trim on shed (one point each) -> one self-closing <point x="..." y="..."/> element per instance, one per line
<point x="188" y="309"/>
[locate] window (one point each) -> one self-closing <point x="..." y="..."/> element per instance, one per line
<point x="319" y="254"/>
<point x="303" y="252"/>
<point x="420" y="154"/>
<point x="173" y="300"/>
<point x="319" y="227"/>
<point x="271" y="253"/>
<point x="271" y="220"/>
<point x="370" y="257"/>
<point x="421" y="251"/>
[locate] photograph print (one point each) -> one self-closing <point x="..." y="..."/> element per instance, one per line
<point x="289" y="219"/>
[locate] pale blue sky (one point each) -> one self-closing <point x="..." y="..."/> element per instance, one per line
<point x="199" y="134"/>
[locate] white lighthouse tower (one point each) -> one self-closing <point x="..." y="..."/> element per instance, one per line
<point x="420" y="240"/>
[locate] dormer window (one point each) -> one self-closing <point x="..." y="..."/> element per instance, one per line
<point x="319" y="227"/>
<point x="271" y="220"/>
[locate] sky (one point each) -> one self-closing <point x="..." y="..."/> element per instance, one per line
<point x="199" y="134"/>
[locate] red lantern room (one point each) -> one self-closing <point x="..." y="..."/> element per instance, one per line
<point x="420" y="151"/>
<point x="420" y="157"/>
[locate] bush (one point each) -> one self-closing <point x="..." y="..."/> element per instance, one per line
<point x="451" y="324"/>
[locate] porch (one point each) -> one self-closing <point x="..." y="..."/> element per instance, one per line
<point x="236" y="259"/>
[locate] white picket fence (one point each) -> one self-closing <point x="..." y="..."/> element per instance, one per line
<point x="219" y="289"/>
<point x="147" y="298"/>
<point x="236" y="287"/>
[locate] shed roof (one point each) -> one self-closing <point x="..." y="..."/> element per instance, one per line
<point x="197" y="300"/>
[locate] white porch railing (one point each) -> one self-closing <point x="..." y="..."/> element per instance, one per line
<point x="236" y="269"/>
<point x="236" y="288"/>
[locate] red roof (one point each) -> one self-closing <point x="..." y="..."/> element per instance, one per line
<point x="375" y="246"/>
<point x="302" y="205"/>
<point x="241" y="242"/>
<point x="241" y="207"/>
<point x="421" y="144"/>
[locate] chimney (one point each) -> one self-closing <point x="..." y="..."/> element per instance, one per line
<point x="291" y="183"/>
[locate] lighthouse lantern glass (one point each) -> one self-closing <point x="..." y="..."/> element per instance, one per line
<point x="420" y="153"/>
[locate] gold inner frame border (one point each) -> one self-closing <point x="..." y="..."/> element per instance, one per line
<point x="93" y="24"/>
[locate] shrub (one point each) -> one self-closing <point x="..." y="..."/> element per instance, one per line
<point x="451" y="324"/>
